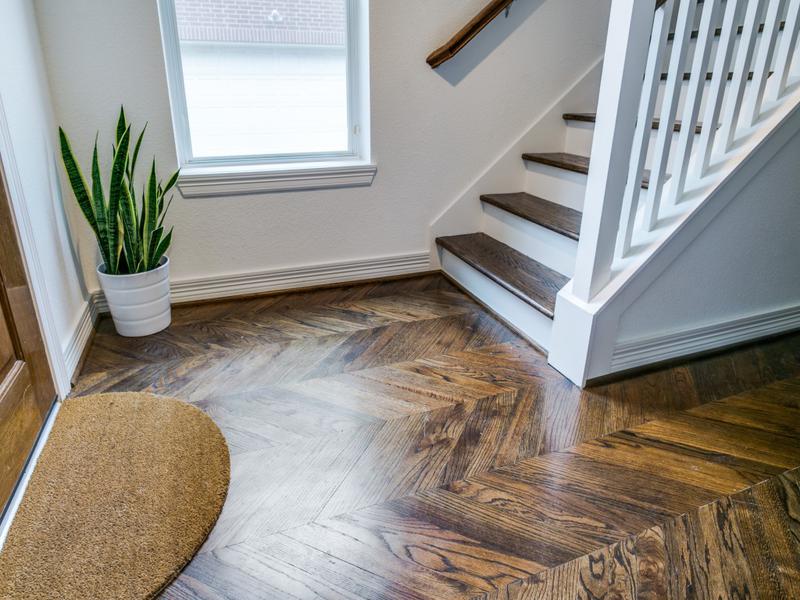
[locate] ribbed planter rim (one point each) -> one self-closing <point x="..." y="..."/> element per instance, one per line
<point x="101" y="269"/>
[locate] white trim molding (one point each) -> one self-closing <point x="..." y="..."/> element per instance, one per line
<point x="204" y="182"/>
<point x="42" y="298"/>
<point x="286" y="279"/>
<point x="654" y="349"/>
<point x="81" y="335"/>
<point x="229" y="175"/>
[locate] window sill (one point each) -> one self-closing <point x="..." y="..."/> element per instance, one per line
<point x="205" y="182"/>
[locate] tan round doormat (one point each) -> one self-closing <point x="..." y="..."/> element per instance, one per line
<point x="124" y="493"/>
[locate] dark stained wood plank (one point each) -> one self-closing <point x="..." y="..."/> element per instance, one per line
<point x="750" y="412"/>
<point x="529" y="280"/>
<point x="385" y="441"/>
<point x="555" y="217"/>
<point x="769" y="522"/>
<point x="414" y="553"/>
<point x="719" y="473"/>
<point x="632" y="568"/>
<point x="735" y="547"/>
<point x="707" y="555"/>
<point x="464" y="35"/>
<point x="641" y="491"/>
<point x="283" y="487"/>
<point x="725" y="438"/>
<point x="569" y="162"/>
<point x="475" y="25"/>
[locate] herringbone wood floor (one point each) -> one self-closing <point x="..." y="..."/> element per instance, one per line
<point x="393" y="440"/>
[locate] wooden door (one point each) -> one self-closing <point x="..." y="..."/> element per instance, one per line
<point x="26" y="385"/>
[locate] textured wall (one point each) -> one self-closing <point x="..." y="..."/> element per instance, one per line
<point x="433" y="132"/>
<point x="32" y="170"/>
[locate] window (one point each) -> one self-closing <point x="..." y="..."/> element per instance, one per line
<point x="268" y="94"/>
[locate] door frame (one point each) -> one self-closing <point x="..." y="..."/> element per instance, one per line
<point x="33" y="267"/>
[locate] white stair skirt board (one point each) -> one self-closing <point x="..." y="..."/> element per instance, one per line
<point x="629" y="354"/>
<point x="556" y="185"/>
<point x="541" y="244"/>
<point x="528" y="321"/>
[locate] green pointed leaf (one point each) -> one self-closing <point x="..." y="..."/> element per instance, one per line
<point x="136" y="156"/>
<point x="149" y="216"/>
<point x="118" y="195"/>
<point x="139" y="220"/>
<point x="155" y="239"/>
<point x="165" y="211"/>
<point x="121" y="124"/>
<point x="171" y="182"/>
<point x="130" y="236"/>
<point x="77" y="180"/>
<point x="100" y="209"/>
<point x="162" y="248"/>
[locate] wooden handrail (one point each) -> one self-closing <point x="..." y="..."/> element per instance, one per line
<point x="473" y="28"/>
<point x="466" y="33"/>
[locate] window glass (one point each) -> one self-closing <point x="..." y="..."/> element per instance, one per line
<point x="265" y="77"/>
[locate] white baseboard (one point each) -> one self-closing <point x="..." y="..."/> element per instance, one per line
<point x="80" y="337"/>
<point x="654" y="349"/>
<point x="241" y="284"/>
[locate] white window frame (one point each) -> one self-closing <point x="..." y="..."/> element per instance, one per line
<point x="237" y="175"/>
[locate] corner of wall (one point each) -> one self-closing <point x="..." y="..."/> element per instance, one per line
<point x="506" y="173"/>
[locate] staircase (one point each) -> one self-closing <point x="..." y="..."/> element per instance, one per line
<point x="722" y="74"/>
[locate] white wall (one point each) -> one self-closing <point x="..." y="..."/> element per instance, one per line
<point x="745" y="263"/>
<point x="28" y="151"/>
<point x="433" y="132"/>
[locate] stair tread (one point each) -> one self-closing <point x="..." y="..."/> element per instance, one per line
<point x="527" y="279"/>
<point x="555" y="217"/>
<point x="592" y="117"/>
<point x="569" y="162"/>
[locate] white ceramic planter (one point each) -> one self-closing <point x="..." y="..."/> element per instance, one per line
<point x="139" y="303"/>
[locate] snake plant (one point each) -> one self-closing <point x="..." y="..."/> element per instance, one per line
<point x="129" y="230"/>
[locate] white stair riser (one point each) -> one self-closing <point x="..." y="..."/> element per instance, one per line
<point x="557" y="185"/>
<point x="579" y="141"/>
<point x="552" y="249"/>
<point x="524" y="318"/>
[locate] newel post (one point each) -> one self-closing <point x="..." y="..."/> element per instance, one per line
<point x="629" y="28"/>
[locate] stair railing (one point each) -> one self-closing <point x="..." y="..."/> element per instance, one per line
<point x="745" y="80"/>
<point x="467" y="33"/>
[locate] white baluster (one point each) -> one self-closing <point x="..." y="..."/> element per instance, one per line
<point x="763" y="62"/>
<point x="669" y="107"/>
<point x="629" y="28"/>
<point x="694" y="95"/>
<point x="744" y="57"/>
<point x="644" y="119"/>
<point x="716" y="91"/>
<point x="783" y="61"/>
